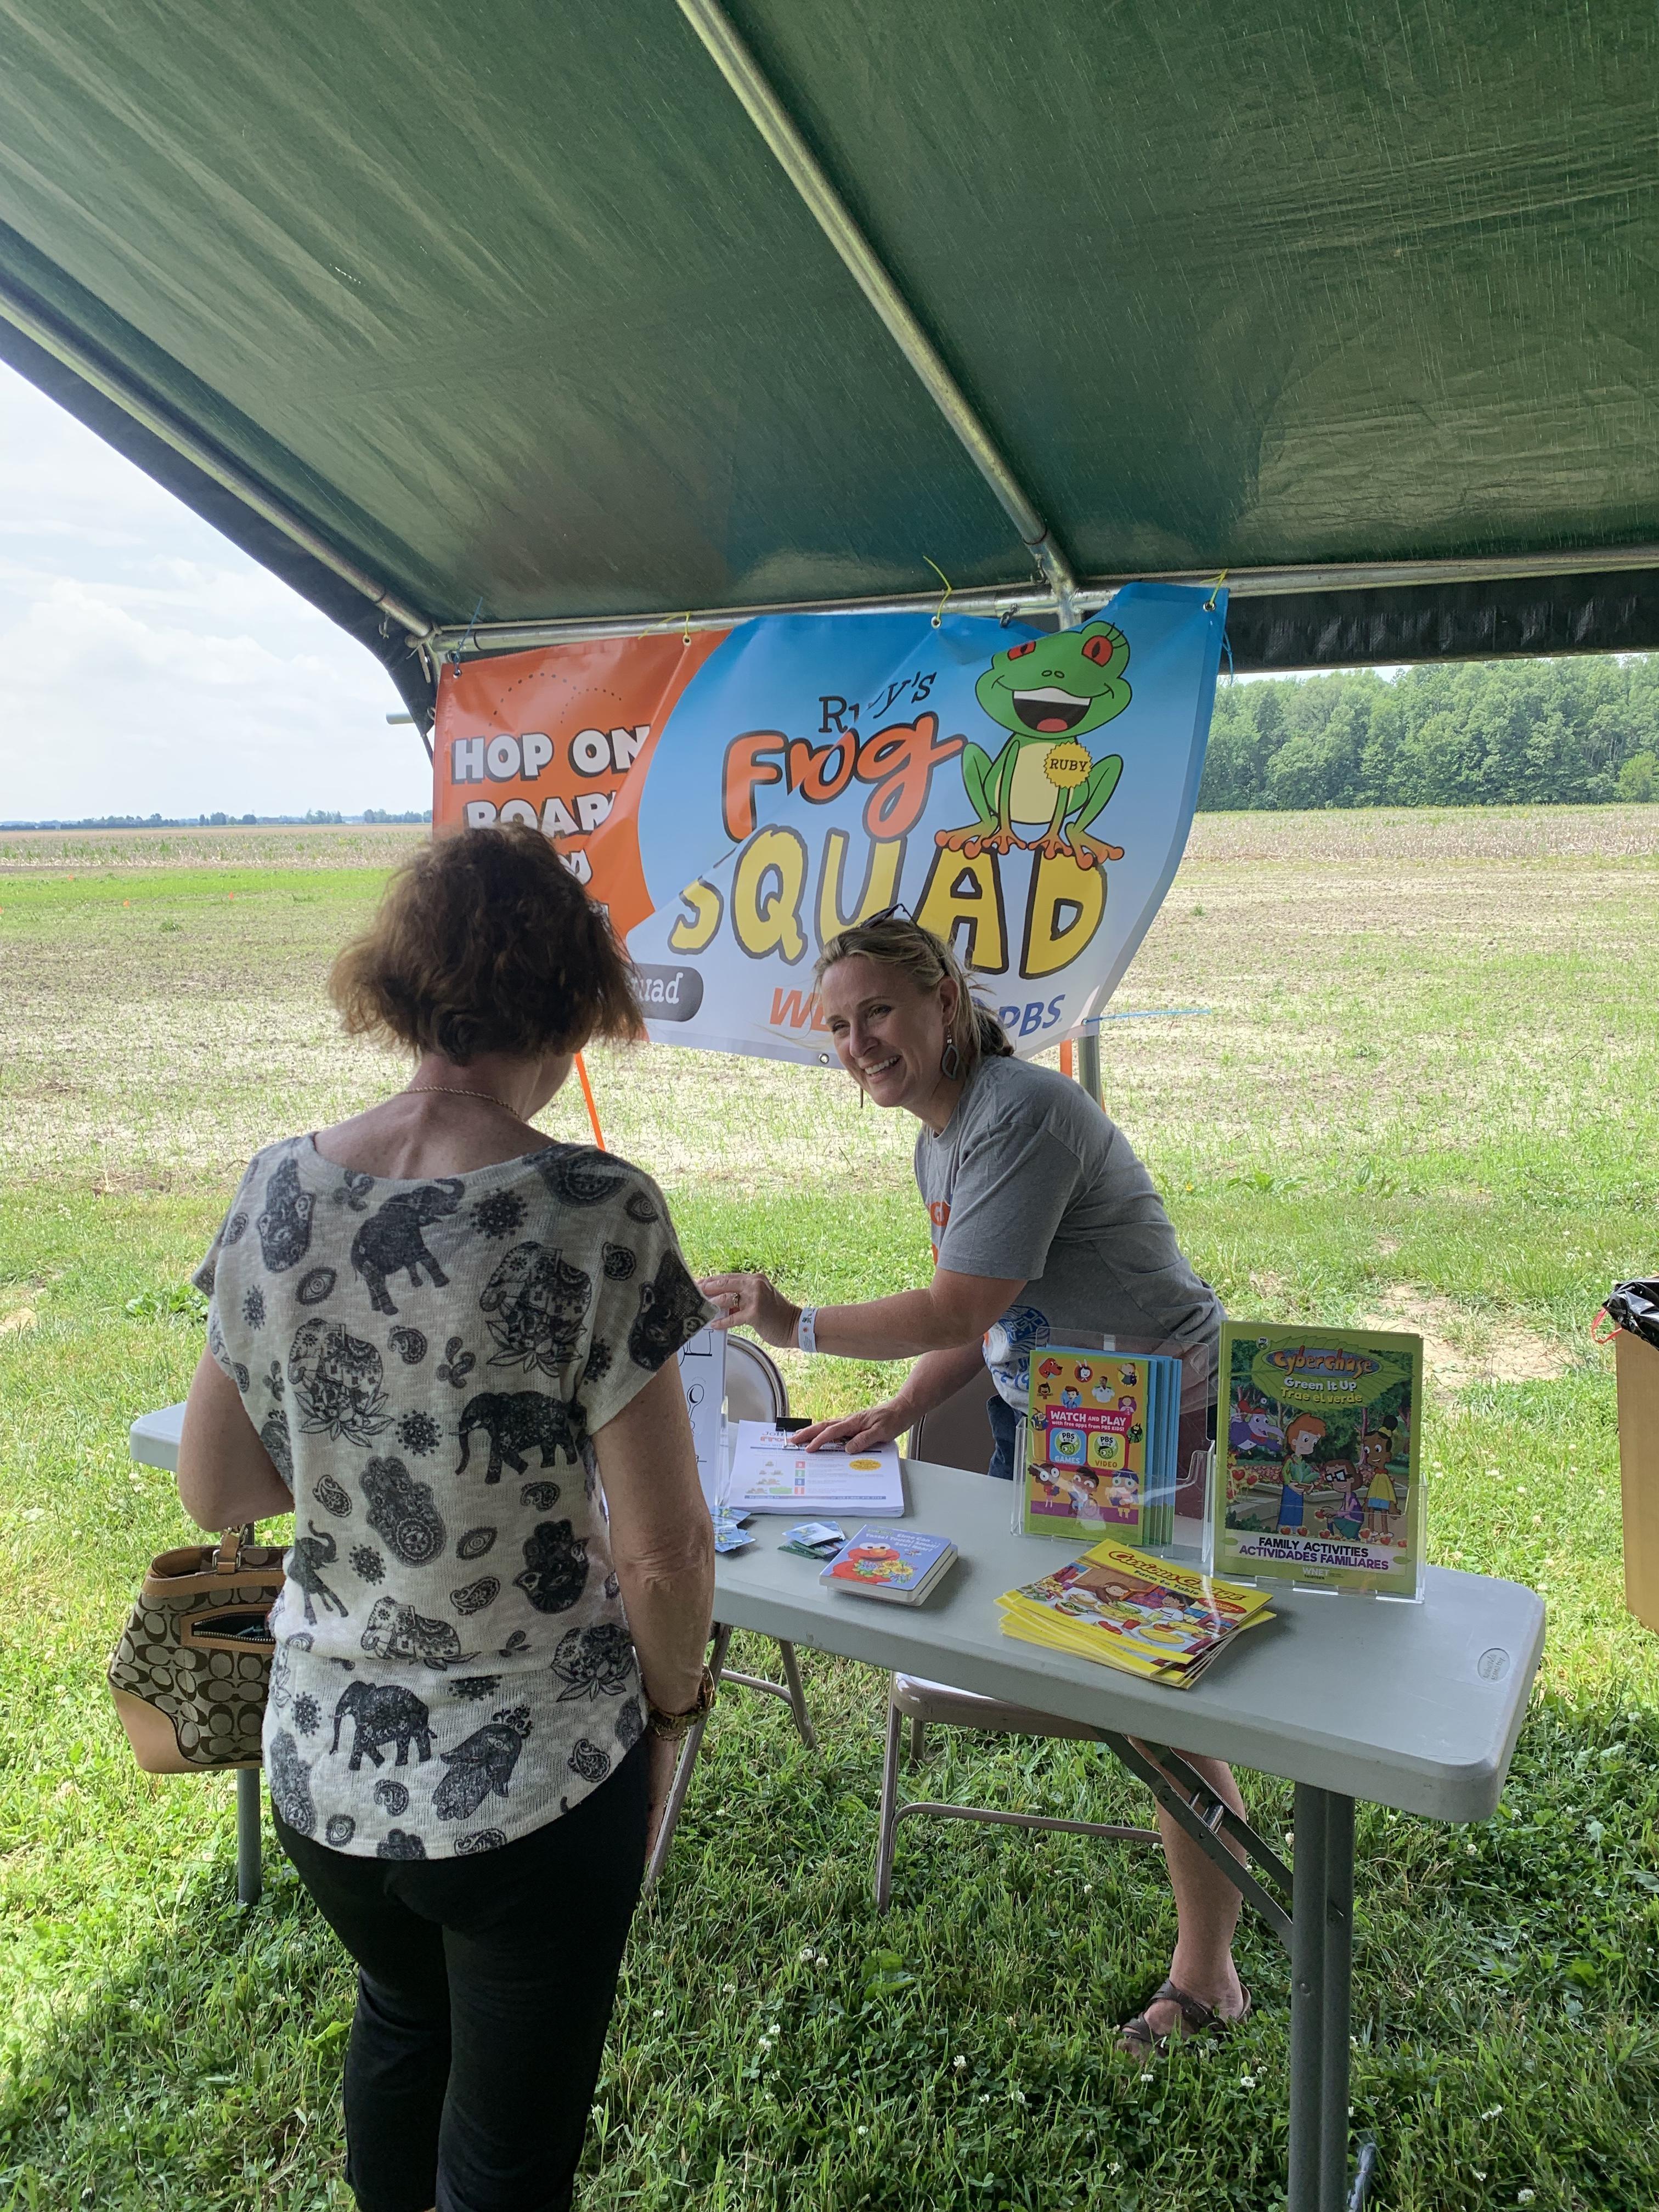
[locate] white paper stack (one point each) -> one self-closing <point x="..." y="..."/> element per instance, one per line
<point x="770" y="1474"/>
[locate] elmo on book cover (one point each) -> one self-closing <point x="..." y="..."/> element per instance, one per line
<point x="887" y="1560"/>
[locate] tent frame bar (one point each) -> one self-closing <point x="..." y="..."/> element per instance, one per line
<point x="1011" y="601"/>
<point x="738" y="65"/>
<point x="27" y="316"/>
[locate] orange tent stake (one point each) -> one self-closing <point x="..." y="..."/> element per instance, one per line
<point x="592" y="1110"/>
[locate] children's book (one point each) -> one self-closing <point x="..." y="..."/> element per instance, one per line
<point x="1100" y="1445"/>
<point x="770" y="1474"/>
<point x="1316" y="1472"/>
<point x="900" y="1565"/>
<point x="1127" y="1609"/>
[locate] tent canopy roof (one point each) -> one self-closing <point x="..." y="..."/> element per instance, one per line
<point x="511" y="309"/>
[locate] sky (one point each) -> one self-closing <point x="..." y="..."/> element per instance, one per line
<point x="152" y="667"/>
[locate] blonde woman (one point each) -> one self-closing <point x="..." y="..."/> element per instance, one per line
<point x="1045" y="1228"/>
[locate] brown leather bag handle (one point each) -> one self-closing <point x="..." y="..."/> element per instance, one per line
<point x="228" y="1558"/>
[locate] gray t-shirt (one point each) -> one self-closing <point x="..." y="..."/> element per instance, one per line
<point x="1030" y="1178"/>
<point x="426" y="1364"/>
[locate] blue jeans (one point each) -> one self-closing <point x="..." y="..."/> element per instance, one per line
<point x="1005" y="1424"/>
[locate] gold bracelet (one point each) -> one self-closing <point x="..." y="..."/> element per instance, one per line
<point x="672" y="1726"/>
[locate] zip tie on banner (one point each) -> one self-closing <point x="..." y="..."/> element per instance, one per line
<point x="1227" y="647"/>
<point x="1603" y="1314"/>
<point x="1209" y="604"/>
<point x="938" y="612"/>
<point x="466" y="637"/>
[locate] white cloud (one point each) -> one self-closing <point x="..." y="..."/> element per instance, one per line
<point x="147" y="665"/>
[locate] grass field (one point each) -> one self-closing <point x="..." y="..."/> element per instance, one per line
<point x="1423" y="1088"/>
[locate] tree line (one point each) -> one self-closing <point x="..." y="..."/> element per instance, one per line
<point x="1478" y="734"/>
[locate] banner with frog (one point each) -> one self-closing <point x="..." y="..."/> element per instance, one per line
<point x="737" y="797"/>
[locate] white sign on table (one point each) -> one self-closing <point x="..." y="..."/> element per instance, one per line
<point x="770" y="1474"/>
<point x="702" y="1377"/>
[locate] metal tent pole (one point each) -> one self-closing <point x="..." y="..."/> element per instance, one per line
<point x="1088" y="1064"/>
<point x="735" y="63"/>
<point x="249" y="1880"/>
<point x="159" y="420"/>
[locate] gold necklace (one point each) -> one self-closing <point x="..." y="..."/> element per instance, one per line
<point x="454" y="1090"/>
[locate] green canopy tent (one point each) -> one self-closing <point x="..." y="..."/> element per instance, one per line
<point x="488" y="326"/>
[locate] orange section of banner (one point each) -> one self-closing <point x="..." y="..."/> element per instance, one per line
<point x="562" y="740"/>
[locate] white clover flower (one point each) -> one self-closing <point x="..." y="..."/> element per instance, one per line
<point x="822" y="1960"/>
<point x="658" y="2014"/>
<point x="985" y="2097"/>
<point x="1492" y="2113"/>
<point x="863" y="2131"/>
<point x="1116" y="2167"/>
<point x="1247" y="2080"/>
<point x="1525" y="2196"/>
<point x="1477" y="2173"/>
<point x="1018" y="2095"/>
<point x="960" y="2063"/>
<point x="806" y="1956"/>
<point x="1147" y="2077"/>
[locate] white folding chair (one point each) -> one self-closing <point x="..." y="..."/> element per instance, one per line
<point x="957" y="1434"/>
<point x="755" y="1391"/>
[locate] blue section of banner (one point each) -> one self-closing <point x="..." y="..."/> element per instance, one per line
<point x="1027" y="795"/>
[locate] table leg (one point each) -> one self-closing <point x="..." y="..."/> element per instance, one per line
<point x="249" y="1882"/>
<point x="1322" y="1952"/>
<point x="797" y="1695"/>
<point x="688" y="1760"/>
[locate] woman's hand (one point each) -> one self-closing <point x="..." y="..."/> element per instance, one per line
<point x="663" y="1757"/>
<point x="751" y="1300"/>
<point x="879" y="1424"/>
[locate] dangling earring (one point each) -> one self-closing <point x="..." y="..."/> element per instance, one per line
<point x="950" y="1062"/>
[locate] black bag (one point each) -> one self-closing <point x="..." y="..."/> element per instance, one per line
<point x="1634" y="1306"/>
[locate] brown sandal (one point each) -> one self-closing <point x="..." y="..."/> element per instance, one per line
<point x="1197" y="2019"/>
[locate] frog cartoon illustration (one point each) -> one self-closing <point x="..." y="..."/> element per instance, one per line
<point x="1049" y="694"/>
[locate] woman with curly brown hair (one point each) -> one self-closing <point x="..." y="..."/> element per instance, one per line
<point x="447" y="1347"/>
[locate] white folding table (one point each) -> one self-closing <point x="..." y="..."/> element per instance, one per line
<point x="1457" y="1670"/>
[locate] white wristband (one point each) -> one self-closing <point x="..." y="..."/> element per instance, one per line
<point x="806" y="1329"/>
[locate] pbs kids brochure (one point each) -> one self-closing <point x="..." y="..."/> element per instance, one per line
<point x="770" y="1474"/>
<point x="1316" y="1472"/>
<point x="1100" y="1445"/>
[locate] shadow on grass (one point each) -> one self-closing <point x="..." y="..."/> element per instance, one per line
<point x="204" y="2072"/>
<point x="778" y="2046"/>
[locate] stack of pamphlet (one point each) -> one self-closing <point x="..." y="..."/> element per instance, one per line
<point x="900" y="1565"/>
<point x="1101" y="1438"/>
<point x="1143" y="1615"/>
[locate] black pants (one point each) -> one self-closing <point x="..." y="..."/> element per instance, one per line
<point x="485" y="1990"/>
<point x="1004" y="1425"/>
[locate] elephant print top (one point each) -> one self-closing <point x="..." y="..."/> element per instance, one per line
<point x="425" y="1362"/>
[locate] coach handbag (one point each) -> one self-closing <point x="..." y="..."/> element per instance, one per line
<point x="190" y="1672"/>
